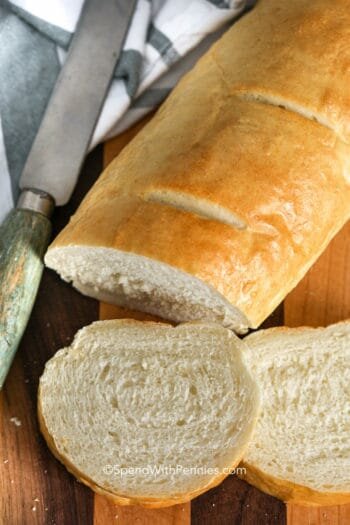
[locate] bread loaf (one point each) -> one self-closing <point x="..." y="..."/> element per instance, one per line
<point x="148" y="414"/>
<point x="224" y="200"/>
<point x="300" y="448"/>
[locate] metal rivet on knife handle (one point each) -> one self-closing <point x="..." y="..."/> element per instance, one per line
<point x="36" y="200"/>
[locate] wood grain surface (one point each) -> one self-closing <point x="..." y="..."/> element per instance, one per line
<point x="36" y="489"/>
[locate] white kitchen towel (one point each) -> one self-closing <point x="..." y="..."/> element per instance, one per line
<point x="165" y="39"/>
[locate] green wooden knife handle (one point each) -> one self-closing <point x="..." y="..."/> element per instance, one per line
<point x="24" y="237"/>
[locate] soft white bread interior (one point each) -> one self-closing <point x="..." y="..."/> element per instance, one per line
<point x="300" y="449"/>
<point x="223" y="201"/>
<point x="143" y="284"/>
<point x="145" y="396"/>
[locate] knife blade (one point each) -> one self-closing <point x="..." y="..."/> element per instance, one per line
<point x="65" y="132"/>
<point x="55" y="160"/>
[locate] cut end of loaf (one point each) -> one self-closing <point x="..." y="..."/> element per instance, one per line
<point x="173" y="407"/>
<point x="143" y="284"/>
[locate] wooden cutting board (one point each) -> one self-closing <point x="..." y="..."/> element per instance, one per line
<point x="36" y="489"/>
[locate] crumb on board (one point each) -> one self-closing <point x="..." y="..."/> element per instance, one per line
<point x="16" y="421"/>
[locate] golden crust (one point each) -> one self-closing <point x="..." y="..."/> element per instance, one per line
<point x="297" y="51"/>
<point x="288" y="491"/>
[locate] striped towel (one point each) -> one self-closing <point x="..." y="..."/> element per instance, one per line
<point x="165" y="39"/>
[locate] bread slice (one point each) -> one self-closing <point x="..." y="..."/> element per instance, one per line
<point x="177" y="405"/>
<point x="300" y="450"/>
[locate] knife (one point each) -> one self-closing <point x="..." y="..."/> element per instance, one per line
<point x="55" y="160"/>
